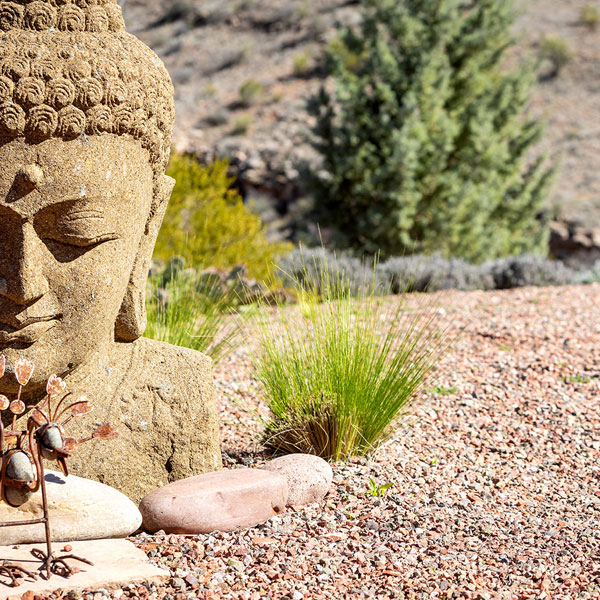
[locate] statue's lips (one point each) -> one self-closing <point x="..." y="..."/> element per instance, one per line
<point x="30" y="332"/>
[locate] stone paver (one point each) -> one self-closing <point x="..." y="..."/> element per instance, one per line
<point x="116" y="563"/>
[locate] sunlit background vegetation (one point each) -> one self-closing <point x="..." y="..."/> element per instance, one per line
<point x="430" y="178"/>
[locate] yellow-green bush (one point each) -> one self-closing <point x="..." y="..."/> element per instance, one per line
<point x="557" y="51"/>
<point x="590" y="16"/>
<point x="251" y="92"/>
<point x="208" y="224"/>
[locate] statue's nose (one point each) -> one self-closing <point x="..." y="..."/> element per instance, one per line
<point x="24" y="280"/>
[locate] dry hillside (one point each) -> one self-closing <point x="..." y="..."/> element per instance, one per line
<point x="212" y="48"/>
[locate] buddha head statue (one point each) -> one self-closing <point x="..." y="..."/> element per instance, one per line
<point x="86" y="116"/>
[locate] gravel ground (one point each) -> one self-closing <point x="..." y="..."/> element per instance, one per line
<point x="496" y="477"/>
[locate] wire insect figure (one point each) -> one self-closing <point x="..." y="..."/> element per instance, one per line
<point x="23" y="452"/>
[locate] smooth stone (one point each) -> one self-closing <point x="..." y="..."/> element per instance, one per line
<point x="20" y="468"/>
<point x="52" y="438"/>
<point x="116" y="563"/>
<point x="80" y="509"/>
<point x="220" y="501"/>
<point x="309" y="477"/>
<point x="16" y="496"/>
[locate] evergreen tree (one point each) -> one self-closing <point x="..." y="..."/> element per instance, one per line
<point x="424" y="141"/>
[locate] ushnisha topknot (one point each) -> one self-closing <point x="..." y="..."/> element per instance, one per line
<point x="68" y="68"/>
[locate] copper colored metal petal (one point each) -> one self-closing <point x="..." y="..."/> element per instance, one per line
<point x="38" y="418"/>
<point x="24" y="371"/>
<point x="17" y="407"/>
<point x="69" y="444"/>
<point x="105" y="432"/>
<point x="81" y="408"/>
<point x="55" y="386"/>
<point x="4" y="402"/>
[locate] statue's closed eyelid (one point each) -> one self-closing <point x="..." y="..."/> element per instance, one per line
<point x="83" y="225"/>
<point x="83" y="214"/>
<point x="82" y="219"/>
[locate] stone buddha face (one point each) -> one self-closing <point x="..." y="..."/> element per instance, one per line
<point x="73" y="245"/>
<point x="86" y="116"/>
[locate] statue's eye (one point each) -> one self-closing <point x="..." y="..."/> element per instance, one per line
<point x="81" y="230"/>
<point x="83" y="241"/>
<point x="81" y="227"/>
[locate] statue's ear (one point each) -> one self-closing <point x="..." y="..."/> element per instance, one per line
<point x="131" y="321"/>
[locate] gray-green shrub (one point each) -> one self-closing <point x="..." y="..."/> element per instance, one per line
<point x="589" y="275"/>
<point x="427" y="273"/>
<point x="317" y="268"/>
<point x="431" y="273"/>
<point x="519" y="271"/>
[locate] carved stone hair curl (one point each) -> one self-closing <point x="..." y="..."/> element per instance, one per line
<point x="68" y="68"/>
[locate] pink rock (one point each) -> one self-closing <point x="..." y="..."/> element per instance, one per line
<point x="309" y="477"/>
<point x="219" y="501"/>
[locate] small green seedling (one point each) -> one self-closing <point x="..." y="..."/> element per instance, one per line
<point x="577" y="379"/>
<point x="441" y="390"/>
<point x="376" y="490"/>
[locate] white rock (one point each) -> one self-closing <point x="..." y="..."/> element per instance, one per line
<point x="80" y="509"/>
<point x="308" y="476"/>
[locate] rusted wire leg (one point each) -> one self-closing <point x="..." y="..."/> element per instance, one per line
<point x="15" y="572"/>
<point x="58" y="564"/>
<point x="42" y="477"/>
<point x="75" y="557"/>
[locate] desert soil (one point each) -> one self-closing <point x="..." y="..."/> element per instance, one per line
<point x="496" y="481"/>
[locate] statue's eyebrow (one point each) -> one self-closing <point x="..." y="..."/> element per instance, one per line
<point x="88" y="204"/>
<point x="76" y="205"/>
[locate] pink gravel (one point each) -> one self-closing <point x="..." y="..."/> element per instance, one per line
<point x="496" y="484"/>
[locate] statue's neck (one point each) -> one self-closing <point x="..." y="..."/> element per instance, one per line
<point x="100" y="375"/>
<point x="104" y="372"/>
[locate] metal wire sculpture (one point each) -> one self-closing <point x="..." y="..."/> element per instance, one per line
<point x="23" y="452"/>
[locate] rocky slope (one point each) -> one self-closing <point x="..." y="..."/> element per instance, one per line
<point x="213" y="48"/>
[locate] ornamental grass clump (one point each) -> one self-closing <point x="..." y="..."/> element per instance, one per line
<point x="183" y="313"/>
<point x="338" y="376"/>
